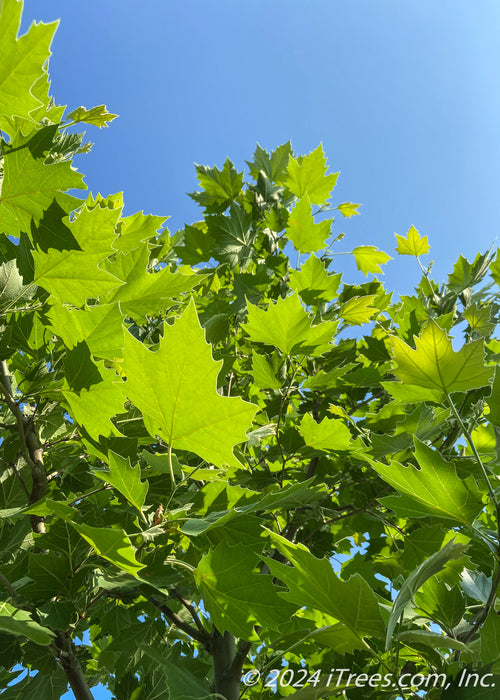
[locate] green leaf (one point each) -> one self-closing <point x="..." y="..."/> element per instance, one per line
<point x="357" y="310"/>
<point x="430" y="567"/>
<point x="348" y="209"/>
<point x="479" y="319"/>
<point x="93" y="408"/>
<point x="313" y="283"/>
<point x="136" y="229"/>
<point x="20" y="623"/>
<point x="113" y="545"/>
<point x="12" y="290"/>
<point x="144" y="293"/>
<point x="490" y="639"/>
<point x="330" y="434"/>
<point x="435" y="489"/>
<point x="100" y="327"/>
<point x="493" y="400"/>
<point x="274" y="165"/>
<point x="73" y="276"/>
<point x="40" y="686"/>
<point x="126" y="479"/>
<point x="369" y="258"/>
<point x="265" y="369"/>
<point x="97" y="116"/>
<point x="313" y="583"/>
<point x="237" y="597"/>
<point x="175" y="389"/>
<point x="233" y="236"/>
<point x="466" y="274"/>
<point x="306" y="175"/>
<point x="435" y="365"/>
<point x="287" y="326"/>
<point x="181" y="684"/>
<point x="431" y="639"/>
<point x="306" y="235"/>
<point x="220" y="186"/>
<point x="413" y="244"/>
<point x="23" y="64"/>
<point x="29" y="185"/>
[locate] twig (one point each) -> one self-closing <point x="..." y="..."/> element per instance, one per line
<point x="191" y="611"/>
<point x="201" y="637"/>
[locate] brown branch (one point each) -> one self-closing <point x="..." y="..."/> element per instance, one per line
<point x="239" y="659"/>
<point x="191" y="611"/>
<point x="201" y="637"/>
<point x="71" y="667"/>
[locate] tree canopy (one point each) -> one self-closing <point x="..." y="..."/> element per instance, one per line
<point x="225" y="470"/>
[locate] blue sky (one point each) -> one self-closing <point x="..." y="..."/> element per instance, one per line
<point x="405" y="97"/>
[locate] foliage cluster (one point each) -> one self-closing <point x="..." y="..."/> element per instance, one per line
<point x="196" y="431"/>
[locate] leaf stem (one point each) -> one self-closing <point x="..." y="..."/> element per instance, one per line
<point x="170" y="466"/>
<point x="471" y="444"/>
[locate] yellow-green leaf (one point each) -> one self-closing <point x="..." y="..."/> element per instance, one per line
<point x="175" y="388"/>
<point x="413" y="244"/>
<point x="306" y="175"/>
<point x="435" y="365"/>
<point x="348" y="209"/>
<point x="357" y="310"/>
<point x="306" y="235"/>
<point x="369" y="258"/>
<point x="435" y="489"/>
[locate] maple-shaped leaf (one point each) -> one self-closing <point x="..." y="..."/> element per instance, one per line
<point x="413" y="244"/>
<point x="94" y="407"/>
<point x="236" y="597"/>
<point x="141" y="292"/>
<point x="348" y="209"/>
<point x="75" y="275"/>
<point x="330" y="434"/>
<point x="467" y="274"/>
<point x="113" y="545"/>
<point x="273" y="165"/>
<point x="312" y="582"/>
<point x="435" y="365"/>
<point x="357" y="310"/>
<point x="99" y="326"/>
<point x="369" y="258"/>
<point x="306" y="175"/>
<point x="29" y="185"/>
<point x="306" y="235"/>
<point x="198" y="244"/>
<point x="434" y="489"/>
<point x="478" y="318"/>
<point x="175" y="388"/>
<point x="219" y="186"/>
<point x="22" y="64"/>
<point x="287" y="326"/>
<point x="233" y="235"/>
<point x="313" y="283"/>
<point x="135" y="229"/>
<point x="126" y="479"/>
<point x="97" y="116"/>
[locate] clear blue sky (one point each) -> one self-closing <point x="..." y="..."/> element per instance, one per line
<point x="405" y="97"/>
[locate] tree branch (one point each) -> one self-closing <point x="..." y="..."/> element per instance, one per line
<point x="201" y="637"/>
<point x="191" y="610"/>
<point x="71" y="666"/>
